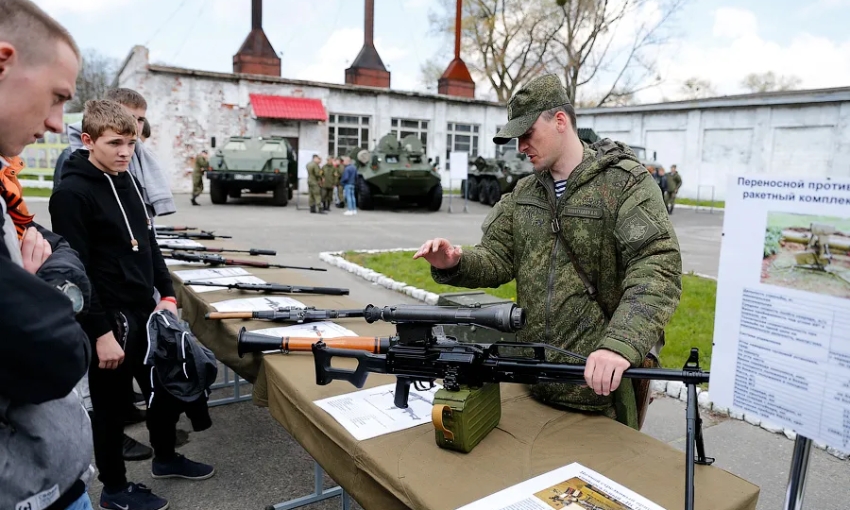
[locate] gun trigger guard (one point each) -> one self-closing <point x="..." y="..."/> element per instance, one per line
<point x="437" y="419"/>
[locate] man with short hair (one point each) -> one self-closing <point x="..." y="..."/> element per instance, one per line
<point x="144" y="166"/>
<point x="327" y="183"/>
<point x="591" y="247"/>
<point x="314" y="179"/>
<point x="44" y="430"/>
<point x="674" y="183"/>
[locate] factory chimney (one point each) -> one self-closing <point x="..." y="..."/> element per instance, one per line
<point x="257" y="56"/>
<point x="368" y="68"/>
<point x="457" y="81"/>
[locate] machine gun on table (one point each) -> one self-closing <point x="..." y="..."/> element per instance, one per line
<point x="287" y="314"/>
<point x="249" y="251"/>
<point x="189" y="235"/>
<point x="420" y="354"/>
<point x="273" y="288"/>
<point x="218" y="260"/>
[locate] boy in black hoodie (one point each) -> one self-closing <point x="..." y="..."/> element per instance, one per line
<point x="99" y="210"/>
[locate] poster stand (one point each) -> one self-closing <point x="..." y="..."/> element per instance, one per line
<point x="458" y="166"/>
<point x="797" y="476"/>
<point x="465" y="207"/>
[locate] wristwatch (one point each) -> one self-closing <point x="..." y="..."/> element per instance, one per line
<point x="74" y="294"/>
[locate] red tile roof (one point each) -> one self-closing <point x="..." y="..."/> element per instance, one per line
<point x="292" y="108"/>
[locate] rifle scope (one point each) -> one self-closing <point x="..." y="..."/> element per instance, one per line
<point x="507" y="317"/>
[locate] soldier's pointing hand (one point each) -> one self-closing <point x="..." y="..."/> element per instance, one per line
<point x="439" y="253"/>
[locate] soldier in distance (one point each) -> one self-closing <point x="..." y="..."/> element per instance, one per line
<point x="612" y="302"/>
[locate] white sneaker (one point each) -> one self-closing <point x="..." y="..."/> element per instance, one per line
<point x="347" y="213"/>
<point x="354" y="212"/>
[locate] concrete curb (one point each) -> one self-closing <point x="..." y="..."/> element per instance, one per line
<point x="671" y="389"/>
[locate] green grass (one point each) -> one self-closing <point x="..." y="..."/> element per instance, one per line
<point x="788" y="220"/>
<point x="37" y="192"/>
<point x="692" y="325"/>
<point x="705" y="203"/>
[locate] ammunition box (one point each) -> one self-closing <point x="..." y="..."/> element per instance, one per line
<point x="473" y="334"/>
<point x="463" y="418"/>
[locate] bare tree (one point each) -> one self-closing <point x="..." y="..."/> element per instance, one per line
<point x="429" y="74"/>
<point x="600" y="48"/>
<point x="769" y="82"/>
<point x="603" y="47"/>
<point x="93" y="80"/>
<point x="697" y="88"/>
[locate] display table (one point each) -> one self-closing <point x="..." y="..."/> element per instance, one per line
<point x="406" y="469"/>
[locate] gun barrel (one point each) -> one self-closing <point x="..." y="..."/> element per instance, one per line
<point x="287" y="314"/>
<point x="256" y="342"/>
<point x="532" y="372"/>
<point x="506" y="317"/>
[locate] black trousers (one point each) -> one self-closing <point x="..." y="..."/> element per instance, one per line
<point x="108" y="390"/>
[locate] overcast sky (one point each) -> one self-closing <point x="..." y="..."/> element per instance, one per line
<point x="720" y="40"/>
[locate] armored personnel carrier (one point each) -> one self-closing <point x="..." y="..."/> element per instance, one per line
<point x="399" y="169"/>
<point x="489" y="178"/>
<point x="255" y="165"/>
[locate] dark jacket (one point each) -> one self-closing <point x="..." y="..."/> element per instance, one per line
<point x="349" y="175"/>
<point x="121" y="255"/>
<point x="60" y="164"/>
<point x="44" y="429"/>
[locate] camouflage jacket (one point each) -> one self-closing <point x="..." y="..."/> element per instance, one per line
<point x="614" y="218"/>
<point x="327" y="176"/>
<point x="674" y="182"/>
<point x="314" y="173"/>
<point x="201" y="164"/>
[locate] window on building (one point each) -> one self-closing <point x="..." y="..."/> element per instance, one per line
<point x="512" y="145"/>
<point x="403" y="127"/>
<point x="346" y="132"/>
<point x="461" y="137"/>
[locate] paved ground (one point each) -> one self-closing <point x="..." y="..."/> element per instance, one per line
<point x="259" y="463"/>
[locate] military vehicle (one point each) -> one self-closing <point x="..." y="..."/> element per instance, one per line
<point x="397" y="169"/>
<point x="253" y="164"/>
<point x="490" y="178"/>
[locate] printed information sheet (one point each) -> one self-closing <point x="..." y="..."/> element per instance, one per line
<point x="319" y="329"/>
<point x="572" y="487"/>
<point x="209" y="274"/>
<point x="370" y="413"/>
<point x="183" y="243"/>
<point x="782" y="322"/>
<point x="254" y="304"/>
<point x="175" y="262"/>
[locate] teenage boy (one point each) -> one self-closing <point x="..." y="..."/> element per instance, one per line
<point x="98" y="207"/>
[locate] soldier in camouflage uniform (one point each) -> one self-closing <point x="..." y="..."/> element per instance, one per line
<point x="202" y="164"/>
<point x="314" y="176"/>
<point x="327" y="184"/>
<point x="340" y="196"/>
<point x="674" y="183"/>
<point x="605" y="205"/>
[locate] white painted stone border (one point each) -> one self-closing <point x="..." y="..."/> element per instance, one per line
<point x="673" y="389"/>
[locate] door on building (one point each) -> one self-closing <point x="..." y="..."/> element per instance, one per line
<point x="293" y="163"/>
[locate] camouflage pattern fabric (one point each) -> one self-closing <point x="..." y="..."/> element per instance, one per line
<point x="613" y="215"/>
<point x="201" y="164"/>
<point x="314" y="176"/>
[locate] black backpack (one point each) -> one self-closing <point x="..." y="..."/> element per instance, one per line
<point x="182" y="366"/>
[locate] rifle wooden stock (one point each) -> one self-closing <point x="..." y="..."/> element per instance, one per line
<point x="229" y="315"/>
<point x="257" y="342"/>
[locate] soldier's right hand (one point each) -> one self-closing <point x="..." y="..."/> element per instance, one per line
<point x="439" y="253"/>
<point x="109" y="353"/>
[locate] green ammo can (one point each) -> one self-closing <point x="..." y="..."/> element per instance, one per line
<point x="463" y="418"/>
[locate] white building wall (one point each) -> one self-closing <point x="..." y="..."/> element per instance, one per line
<point x="710" y="144"/>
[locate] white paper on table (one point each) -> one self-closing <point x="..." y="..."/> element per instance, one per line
<point x="318" y="329"/>
<point x="175" y="262"/>
<point x="781" y="350"/>
<point x="370" y="413"/>
<point x="566" y="488"/>
<point x="217" y="281"/>
<point x="212" y="273"/>
<point x="252" y="304"/>
<point x="183" y="243"/>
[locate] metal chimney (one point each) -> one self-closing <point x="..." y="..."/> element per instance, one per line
<point x="456" y="80"/>
<point x="368" y="68"/>
<point x="256" y="55"/>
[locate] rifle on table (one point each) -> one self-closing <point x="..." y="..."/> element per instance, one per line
<point x="420" y="354"/>
<point x="250" y="251"/>
<point x="218" y="260"/>
<point x="273" y="288"/>
<point x="174" y="228"/>
<point x="288" y="314"/>
<point x="190" y="235"/>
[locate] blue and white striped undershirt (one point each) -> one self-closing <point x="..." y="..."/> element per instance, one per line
<point x="560" y="187"/>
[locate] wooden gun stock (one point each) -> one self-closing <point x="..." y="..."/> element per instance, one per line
<point x="257" y="342"/>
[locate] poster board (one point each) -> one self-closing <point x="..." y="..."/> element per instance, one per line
<point x="458" y="165"/>
<point x="782" y="320"/>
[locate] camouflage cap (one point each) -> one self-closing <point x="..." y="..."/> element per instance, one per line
<point x="537" y="96"/>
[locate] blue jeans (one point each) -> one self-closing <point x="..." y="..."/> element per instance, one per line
<point x="350" y="201"/>
<point x="84" y="503"/>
